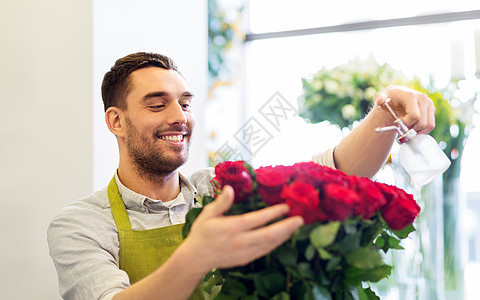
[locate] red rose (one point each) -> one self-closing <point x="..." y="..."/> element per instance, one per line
<point x="401" y="209"/>
<point x="371" y="197"/>
<point x="316" y="174"/>
<point x="271" y="181"/>
<point x="302" y="199"/>
<point x="234" y="173"/>
<point x="339" y="201"/>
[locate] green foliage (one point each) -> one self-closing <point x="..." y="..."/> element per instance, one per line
<point x="321" y="261"/>
<point x="345" y="93"/>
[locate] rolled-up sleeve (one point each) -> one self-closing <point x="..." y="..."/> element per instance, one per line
<point x="325" y="158"/>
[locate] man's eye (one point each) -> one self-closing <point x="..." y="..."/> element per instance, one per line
<point x="186" y="106"/>
<point x="157" y="106"/>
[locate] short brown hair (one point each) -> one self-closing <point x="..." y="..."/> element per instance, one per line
<point x="116" y="84"/>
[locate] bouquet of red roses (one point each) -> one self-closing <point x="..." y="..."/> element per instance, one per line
<point x="349" y="222"/>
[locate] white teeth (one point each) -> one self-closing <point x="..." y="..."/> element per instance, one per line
<point x="173" y="138"/>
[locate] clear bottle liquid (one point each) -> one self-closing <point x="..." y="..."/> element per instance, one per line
<point x="419" y="154"/>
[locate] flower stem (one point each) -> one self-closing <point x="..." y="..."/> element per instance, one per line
<point x="287" y="282"/>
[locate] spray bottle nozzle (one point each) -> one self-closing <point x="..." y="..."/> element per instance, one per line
<point x="404" y="134"/>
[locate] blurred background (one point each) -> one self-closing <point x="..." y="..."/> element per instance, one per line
<point x="275" y="83"/>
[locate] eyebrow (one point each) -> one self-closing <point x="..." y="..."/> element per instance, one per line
<point x="164" y="94"/>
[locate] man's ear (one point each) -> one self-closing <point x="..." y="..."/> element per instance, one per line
<point x="113" y="119"/>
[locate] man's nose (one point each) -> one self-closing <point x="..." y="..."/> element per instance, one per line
<point x="176" y="115"/>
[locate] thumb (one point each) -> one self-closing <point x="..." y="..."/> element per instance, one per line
<point x="221" y="204"/>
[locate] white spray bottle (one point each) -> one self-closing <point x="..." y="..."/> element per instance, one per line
<point x="419" y="154"/>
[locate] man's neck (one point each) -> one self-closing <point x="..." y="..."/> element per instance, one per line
<point x="158" y="187"/>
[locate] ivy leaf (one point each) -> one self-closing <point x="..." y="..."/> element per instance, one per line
<point x="324" y="235"/>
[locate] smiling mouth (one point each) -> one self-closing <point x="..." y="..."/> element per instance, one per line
<point x="172" y="138"/>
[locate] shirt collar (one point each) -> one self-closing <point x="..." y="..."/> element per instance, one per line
<point x="136" y="201"/>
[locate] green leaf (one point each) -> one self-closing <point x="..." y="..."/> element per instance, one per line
<point x="309" y="252"/>
<point x="402" y="234"/>
<point x="286" y="255"/>
<point x="377" y="274"/>
<point x="304" y="270"/>
<point x="394" y="243"/>
<point x="301" y="290"/>
<point x="274" y="282"/>
<point x="333" y="263"/>
<point x="380" y="242"/>
<point x="303" y="233"/>
<point x="225" y="297"/>
<point x="321" y="293"/>
<point x="211" y="280"/>
<point x="269" y="284"/>
<point x="281" y="296"/>
<point x="354" y="275"/>
<point x="234" y="287"/>
<point x="324" y="254"/>
<point x="207" y="200"/>
<point x="349" y="242"/>
<point x="189" y="219"/>
<point x="364" y="258"/>
<point x="366" y="294"/>
<point x="324" y="235"/>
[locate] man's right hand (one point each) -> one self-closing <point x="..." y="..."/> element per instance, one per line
<point x="228" y="241"/>
<point x="215" y="241"/>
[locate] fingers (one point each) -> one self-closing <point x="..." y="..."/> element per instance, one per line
<point x="429" y="120"/>
<point x="414" y="108"/>
<point x="275" y="234"/>
<point x="258" y="218"/>
<point x="245" y="221"/>
<point x="221" y="204"/>
<point x="380" y="98"/>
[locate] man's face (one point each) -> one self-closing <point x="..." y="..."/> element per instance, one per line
<point x="158" y="120"/>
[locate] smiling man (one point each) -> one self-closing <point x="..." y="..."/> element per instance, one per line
<point x="124" y="241"/>
<point x="153" y="126"/>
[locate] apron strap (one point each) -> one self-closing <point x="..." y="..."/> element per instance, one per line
<point x="119" y="211"/>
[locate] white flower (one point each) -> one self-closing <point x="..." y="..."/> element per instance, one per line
<point x="317" y="84"/>
<point x="370" y="92"/>
<point x="349" y="111"/>
<point x="331" y="86"/>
